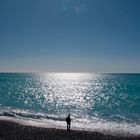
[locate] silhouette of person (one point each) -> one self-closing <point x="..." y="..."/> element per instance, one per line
<point x="68" y="120"/>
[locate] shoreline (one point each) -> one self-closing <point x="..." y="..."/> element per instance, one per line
<point x="12" y="130"/>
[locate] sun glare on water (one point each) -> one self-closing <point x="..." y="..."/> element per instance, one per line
<point x="76" y="76"/>
<point x="69" y="75"/>
<point x="67" y="90"/>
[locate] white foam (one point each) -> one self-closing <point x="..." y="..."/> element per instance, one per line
<point x="113" y="128"/>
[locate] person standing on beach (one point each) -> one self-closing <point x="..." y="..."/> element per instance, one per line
<point x="68" y="120"/>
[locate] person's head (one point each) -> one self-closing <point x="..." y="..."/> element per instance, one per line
<point x="68" y="115"/>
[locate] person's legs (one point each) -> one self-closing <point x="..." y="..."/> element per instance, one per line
<point x="68" y="127"/>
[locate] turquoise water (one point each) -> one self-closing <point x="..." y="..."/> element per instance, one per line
<point x="103" y="102"/>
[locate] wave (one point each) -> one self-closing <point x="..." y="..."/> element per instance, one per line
<point x="34" y="115"/>
<point x="95" y="124"/>
<point x="125" y="118"/>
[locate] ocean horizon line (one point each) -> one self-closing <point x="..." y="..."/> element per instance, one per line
<point x="2" y="72"/>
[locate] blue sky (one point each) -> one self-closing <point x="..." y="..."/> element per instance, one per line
<point x="69" y="36"/>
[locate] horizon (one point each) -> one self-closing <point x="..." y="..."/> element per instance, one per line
<point x="70" y="36"/>
<point x="68" y="73"/>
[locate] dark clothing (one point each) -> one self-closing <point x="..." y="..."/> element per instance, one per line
<point x="68" y="120"/>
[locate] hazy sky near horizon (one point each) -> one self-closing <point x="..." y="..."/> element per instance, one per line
<point x="70" y="35"/>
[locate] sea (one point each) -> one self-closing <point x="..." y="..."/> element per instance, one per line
<point x="108" y="103"/>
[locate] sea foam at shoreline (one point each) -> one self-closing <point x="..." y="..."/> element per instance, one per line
<point x="108" y="103"/>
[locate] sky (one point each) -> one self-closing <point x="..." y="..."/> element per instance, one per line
<point x="70" y="36"/>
